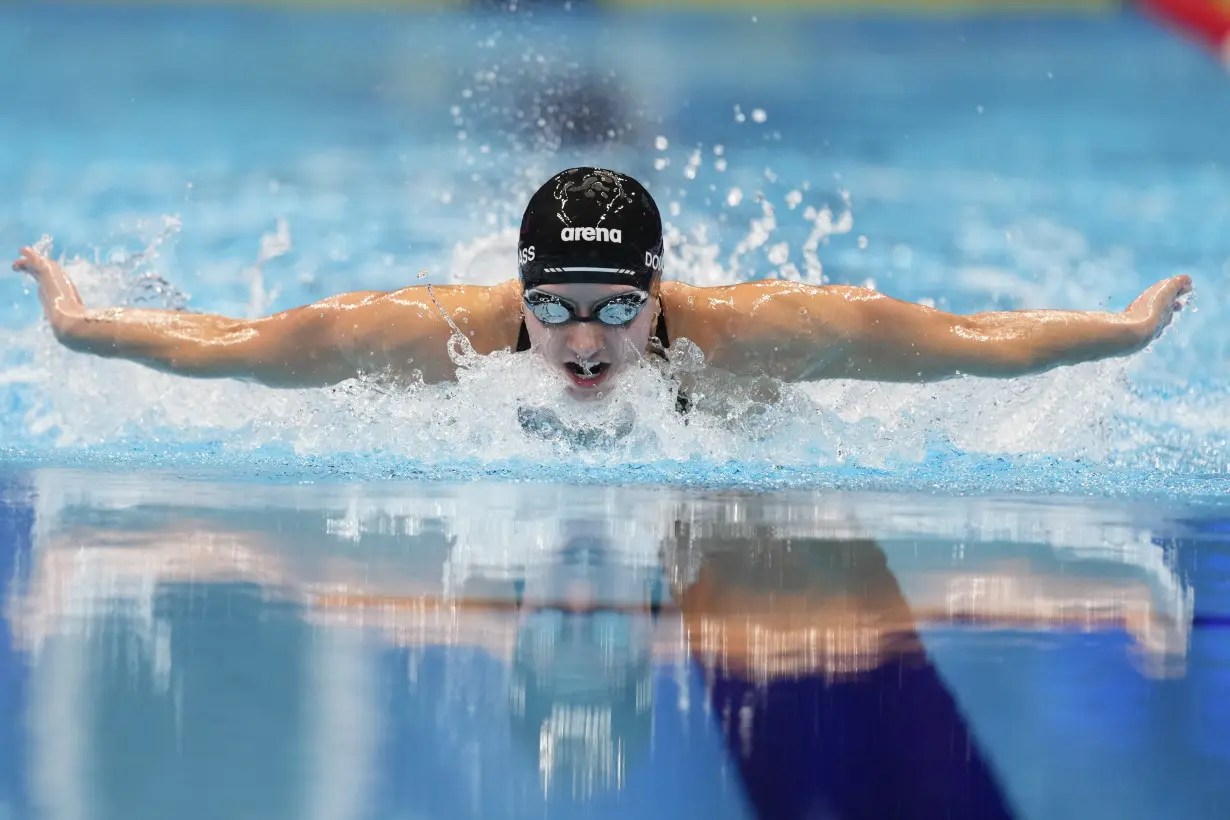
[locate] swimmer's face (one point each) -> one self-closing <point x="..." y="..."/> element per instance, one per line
<point x="590" y="354"/>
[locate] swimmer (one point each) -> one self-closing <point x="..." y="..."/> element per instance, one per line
<point x="590" y="302"/>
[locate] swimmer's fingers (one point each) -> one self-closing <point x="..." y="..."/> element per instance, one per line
<point x="1181" y="285"/>
<point x="23" y="260"/>
<point x="1155" y="308"/>
<point x="1166" y="294"/>
<point x="1185" y="289"/>
<point x="31" y="262"/>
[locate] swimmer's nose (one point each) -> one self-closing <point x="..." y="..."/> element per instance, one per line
<point x="585" y="339"/>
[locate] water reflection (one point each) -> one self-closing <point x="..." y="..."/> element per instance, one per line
<point x="211" y="650"/>
<point x="819" y="676"/>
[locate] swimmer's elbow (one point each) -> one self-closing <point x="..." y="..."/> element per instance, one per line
<point x="251" y="352"/>
<point x="216" y="356"/>
<point x="70" y="331"/>
<point x="1003" y="360"/>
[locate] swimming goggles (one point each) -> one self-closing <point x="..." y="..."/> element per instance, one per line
<point x="616" y="311"/>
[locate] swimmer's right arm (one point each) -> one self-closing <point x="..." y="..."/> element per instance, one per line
<point x="311" y="346"/>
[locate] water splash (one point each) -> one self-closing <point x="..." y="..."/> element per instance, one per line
<point x="1129" y="414"/>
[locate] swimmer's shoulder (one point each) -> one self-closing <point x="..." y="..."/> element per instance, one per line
<point x="684" y="303"/>
<point x="703" y="315"/>
<point x="758" y="313"/>
<point x="695" y="308"/>
<point x="502" y="314"/>
<point x="490" y="315"/>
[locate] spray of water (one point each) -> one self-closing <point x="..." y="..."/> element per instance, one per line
<point x="61" y="400"/>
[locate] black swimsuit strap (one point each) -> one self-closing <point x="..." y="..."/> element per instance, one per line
<point x="660" y="331"/>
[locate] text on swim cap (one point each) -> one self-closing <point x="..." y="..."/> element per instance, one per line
<point x="591" y="235"/>
<point x="652" y="261"/>
<point x="527" y="254"/>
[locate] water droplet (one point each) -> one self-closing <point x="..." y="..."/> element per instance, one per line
<point x="660" y="163"/>
<point x="759" y="115"/>
<point x="862" y="243"/>
<point x="734" y="197"/>
<point x="661" y="143"/>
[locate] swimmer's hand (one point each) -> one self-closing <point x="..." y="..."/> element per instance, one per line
<point x="1153" y="310"/>
<point x="61" y="303"/>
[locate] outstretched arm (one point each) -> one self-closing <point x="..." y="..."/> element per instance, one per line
<point x="839" y="332"/>
<point x="315" y="345"/>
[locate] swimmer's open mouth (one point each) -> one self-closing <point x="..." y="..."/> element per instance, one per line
<point x="588" y="374"/>
<point x="589" y="370"/>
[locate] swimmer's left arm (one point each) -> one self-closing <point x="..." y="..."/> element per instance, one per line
<point x="803" y="333"/>
<point x="889" y="340"/>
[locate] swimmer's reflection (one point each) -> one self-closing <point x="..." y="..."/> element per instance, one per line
<point x="196" y="665"/>
<point x="581" y="695"/>
<point x="824" y="691"/>
<point x="525" y="677"/>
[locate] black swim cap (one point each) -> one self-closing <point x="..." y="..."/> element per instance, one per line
<point x="594" y="226"/>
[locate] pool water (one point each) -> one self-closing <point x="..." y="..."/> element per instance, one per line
<point x="974" y="599"/>
<point x="198" y="648"/>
